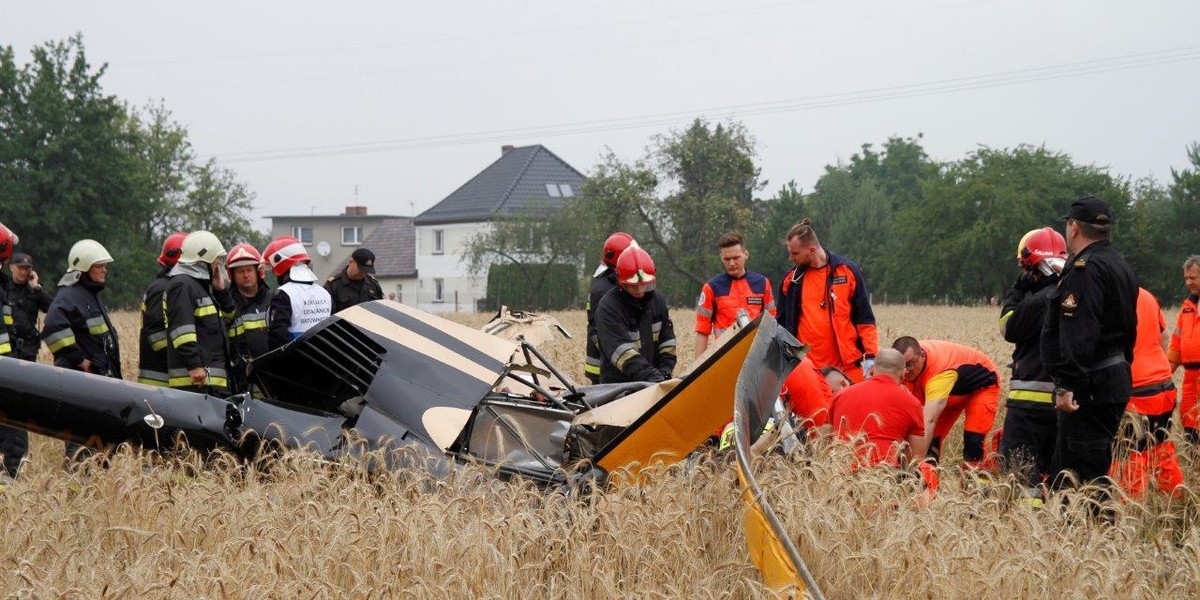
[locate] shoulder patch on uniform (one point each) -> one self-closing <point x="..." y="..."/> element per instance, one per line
<point x="331" y="279"/>
<point x="1080" y="263"/>
<point x="701" y="300"/>
<point x="1070" y="303"/>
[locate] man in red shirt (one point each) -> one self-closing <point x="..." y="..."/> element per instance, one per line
<point x="1151" y="404"/>
<point x="824" y="302"/>
<point x="723" y="296"/>
<point x="952" y="379"/>
<point x="1185" y="350"/>
<point x="882" y="413"/>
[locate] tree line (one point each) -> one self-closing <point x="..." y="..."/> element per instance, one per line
<point x="923" y="231"/>
<point x="78" y="163"/>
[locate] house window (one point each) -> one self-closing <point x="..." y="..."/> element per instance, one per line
<point x="304" y="234"/>
<point x="559" y="190"/>
<point x="439" y="241"/>
<point x="352" y="236"/>
<point x="439" y="290"/>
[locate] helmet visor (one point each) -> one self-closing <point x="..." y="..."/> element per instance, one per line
<point x="1051" y="266"/>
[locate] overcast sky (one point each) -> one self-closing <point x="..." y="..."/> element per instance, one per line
<point x="406" y="101"/>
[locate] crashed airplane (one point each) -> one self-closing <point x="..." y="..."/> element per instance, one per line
<point x="385" y="379"/>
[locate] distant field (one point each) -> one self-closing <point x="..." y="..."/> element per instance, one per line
<point x="152" y="528"/>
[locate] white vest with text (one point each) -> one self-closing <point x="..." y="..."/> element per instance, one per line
<point x="311" y="304"/>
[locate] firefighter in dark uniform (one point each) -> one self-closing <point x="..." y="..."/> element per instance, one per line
<point x="1029" y="421"/>
<point x="1087" y="344"/>
<point x="637" y="338"/>
<point x="356" y="283"/>
<point x="77" y="329"/>
<point x="197" y="352"/>
<point x="152" y="338"/>
<point x="27" y="298"/>
<point x="14" y="443"/>
<point x="603" y="280"/>
<point x="251" y="297"/>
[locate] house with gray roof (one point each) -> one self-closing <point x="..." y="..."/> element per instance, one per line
<point x="524" y="179"/>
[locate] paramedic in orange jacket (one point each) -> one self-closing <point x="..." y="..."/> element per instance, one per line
<point x="1185" y="350"/>
<point x="951" y="379"/>
<point x="1152" y="403"/>
<point x="734" y="290"/>
<point x="808" y="395"/>
<point x="825" y="303"/>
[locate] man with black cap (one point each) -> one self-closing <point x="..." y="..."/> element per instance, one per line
<point x="356" y="283"/>
<point x="26" y="296"/>
<point x="1087" y="345"/>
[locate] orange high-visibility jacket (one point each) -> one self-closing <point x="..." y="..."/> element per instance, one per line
<point x="843" y="304"/>
<point x="1185" y="340"/>
<point x="722" y="296"/>
<point x="1150" y="364"/>
<point x="975" y="370"/>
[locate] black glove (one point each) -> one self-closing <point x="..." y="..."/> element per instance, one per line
<point x="1027" y="281"/>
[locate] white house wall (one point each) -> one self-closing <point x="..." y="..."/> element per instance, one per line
<point x="460" y="291"/>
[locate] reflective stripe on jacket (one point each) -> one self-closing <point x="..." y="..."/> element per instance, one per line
<point x="722" y="296"/>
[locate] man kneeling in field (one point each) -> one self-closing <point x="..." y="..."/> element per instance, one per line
<point x="881" y="413"/>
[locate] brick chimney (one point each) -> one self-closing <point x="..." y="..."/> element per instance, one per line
<point x="356" y="211"/>
<point x="505" y="149"/>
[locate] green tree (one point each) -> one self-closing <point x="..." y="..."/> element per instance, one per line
<point x="78" y="163"/>
<point x="958" y="243"/>
<point x="68" y="169"/>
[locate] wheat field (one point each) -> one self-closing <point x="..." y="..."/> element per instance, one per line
<point x="190" y="526"/>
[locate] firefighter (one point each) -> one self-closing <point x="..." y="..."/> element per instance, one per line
<point x="637" y="339"/>
<point x="604" y="279"/>
<point x="27" y="298"/>
<point x="825" y="303"/>
<point x="297" y="303"/>
<point x="152" y="339"/>
<point x="197" y="352"/>
<point x="951" y="379"/>
<point x="251" y="299"/>
<point x="1087" y="345"/>
<point x="1185" y="350"/>
<point x="1027" y="445"/>
<point x="735" y="291"/>
<point x="77" y="329"/>
<point x="14" y="443"/>
<point x="1151" y="406"/>
<point x="356" y="282"/>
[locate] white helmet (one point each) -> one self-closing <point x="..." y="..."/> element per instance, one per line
<point x="86" y="254"/>
<point x="201" y="247"/>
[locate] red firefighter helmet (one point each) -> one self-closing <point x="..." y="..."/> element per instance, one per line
<point x="242" y="255"/>
<point x="614" y="246"/>
<point x="635" y="268"/>
<point x="1042" y="245"/>
<point x="171" y="249"/>
<point x="287" y="255"/>
<point x="8" y="239"/>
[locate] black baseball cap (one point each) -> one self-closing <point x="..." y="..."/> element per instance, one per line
<point x="22" y="259"/>
<point x="365" y="259"/>
<point x="1089" y="209"/>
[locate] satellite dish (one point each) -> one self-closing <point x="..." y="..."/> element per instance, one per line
<point x="323" y="248"/>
